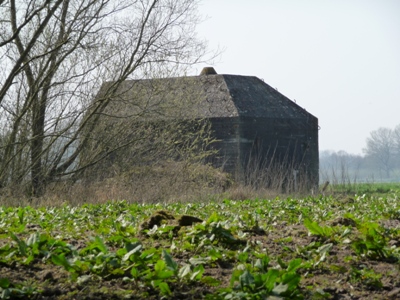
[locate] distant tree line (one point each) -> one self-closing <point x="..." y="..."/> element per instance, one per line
<point x="380" y="162"/>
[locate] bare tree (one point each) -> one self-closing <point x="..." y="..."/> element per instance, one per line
<point x="396" y="137"/>
<point x="396" y="140"/>
<point x="55" y="56"/>
<point x="381" y="148"/>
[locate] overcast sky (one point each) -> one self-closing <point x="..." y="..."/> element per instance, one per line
<point x="339" y="59"/>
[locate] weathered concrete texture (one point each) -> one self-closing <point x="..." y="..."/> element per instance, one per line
<point x="248" y="117"/>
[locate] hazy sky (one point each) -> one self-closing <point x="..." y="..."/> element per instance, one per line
<point x="339" y="59"/>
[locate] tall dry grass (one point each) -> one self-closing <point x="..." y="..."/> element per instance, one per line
<point x="172" y="182"/>
<point x="165" y="182"/>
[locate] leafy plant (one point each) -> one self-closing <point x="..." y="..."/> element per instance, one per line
<point x="368" y="277"/>
<point x="325" y="232"/>
<point x="9" y="290"/>
<point x="372" y="243"/>
<point x="251" y="249"/>
<point x="260" y="281"/>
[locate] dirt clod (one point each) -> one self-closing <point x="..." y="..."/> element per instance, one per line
<point x="163" y="217"/>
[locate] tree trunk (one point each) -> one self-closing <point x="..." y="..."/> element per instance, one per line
<point x="37" y="174"/>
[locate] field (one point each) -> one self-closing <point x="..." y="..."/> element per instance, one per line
<point x="333" y="247"/>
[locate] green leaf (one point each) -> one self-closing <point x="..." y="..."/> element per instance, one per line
<point x="294" y="264"/>
<point x="214" y="254"/>
<point x="150" y="254"/>
<point x="280" y="289"/>
<point x="199" y="260"/>
<point x="5" y="250"/>
<point x="197" y="273"/>
<point x="60" y="260"/>
<point x="235" y="277"/>
<point x="121" y="252"/>
<point x="259" y="279"/>
<point x="128" y="255"/>
<point x="100" y="245"/>
<point x="325" y="248"/>
<point x="164" y="274"/>
<point x="258" y="264"/>
<point x="22" y="247"/>
<point x="242" y="257"/>
<point x="5" y="294"/>
<point x="291" y="279"/>
<point x="29" y="259"/>
<point x="4" y="283"/>
<point x="281" y="263"/>
<point x="33" y="239"/>
<point x="118" y="271"/>
<point x="171" y="264"/>
<point x="270" y="279"/>
<point x="184" y="271"/>
<point x="164" y="289"/>
<point x="159" y="266"/>
<point x="21" y="214"/>
<point x="82" y="266"/>
<point x="160" y="271"/>
<point x="313" y="227"/>
<point x="262" y="262"/>
<point x="130" y="246"/>
<point x="135" y="273"/>
<point x="246" y="279"/>
<point x="213" y="218"/>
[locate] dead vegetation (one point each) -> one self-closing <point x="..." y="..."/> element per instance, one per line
<point x="165" y="182"/>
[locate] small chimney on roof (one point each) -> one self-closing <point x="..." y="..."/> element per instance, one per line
<point x="208" y="71"/>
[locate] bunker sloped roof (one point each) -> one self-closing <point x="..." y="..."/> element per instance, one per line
<point x="204" y="96"/>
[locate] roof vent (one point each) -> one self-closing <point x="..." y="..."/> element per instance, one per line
<point x="208" y="71"/>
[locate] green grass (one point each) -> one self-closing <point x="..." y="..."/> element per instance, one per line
<point x="365" y="188"/>
<point x="290" y="248"/>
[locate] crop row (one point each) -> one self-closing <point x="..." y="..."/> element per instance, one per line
<point x="218" y="250"/>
